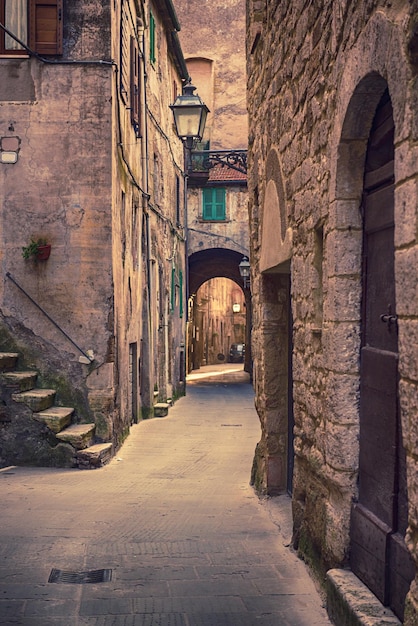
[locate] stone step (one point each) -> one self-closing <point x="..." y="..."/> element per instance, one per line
<point x="161" y="409"/>
<point x="23" y="381"/>
<point x="36" y="399"/>
<point x="94" y="456"/>
<point x="8" y="361"/>
<point x="56" y="418"/>
<point x="78" y="435"/>
<point x="351" y="603"/>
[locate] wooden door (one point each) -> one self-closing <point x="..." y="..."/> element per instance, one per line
<point x="379" y="555"/>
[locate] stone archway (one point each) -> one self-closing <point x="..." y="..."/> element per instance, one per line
<point x="364" y="185"/>
<point x="273" y="462"/>
<point x="221" y="262"/>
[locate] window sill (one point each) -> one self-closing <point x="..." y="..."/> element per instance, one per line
<point x="206" y="221"/>
<point x="14" y="56"/>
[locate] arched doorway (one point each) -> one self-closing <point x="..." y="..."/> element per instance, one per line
<point x="379" y="555"/>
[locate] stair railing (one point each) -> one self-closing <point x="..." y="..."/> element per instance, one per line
<point x="10" y="277"/>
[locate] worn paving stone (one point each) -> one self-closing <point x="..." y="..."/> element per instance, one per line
<point x="173" y="516"/>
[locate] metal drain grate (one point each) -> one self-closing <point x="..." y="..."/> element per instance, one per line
<point x="80" y="578"/>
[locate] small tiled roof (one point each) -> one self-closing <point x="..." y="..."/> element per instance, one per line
<point x="224" y="172"/>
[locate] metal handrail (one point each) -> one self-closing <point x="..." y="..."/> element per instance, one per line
<point x="10" y="277"/>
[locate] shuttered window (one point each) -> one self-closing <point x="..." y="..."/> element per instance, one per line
<point x="214" y="203"/>
<point x="45" y="17"/>
<point x="36" y="23"/>
<point x="135" y="87"/>
<point x="152" y="38"/>
<point x="124" y="57"/>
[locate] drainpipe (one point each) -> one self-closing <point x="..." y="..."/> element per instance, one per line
<point x="145" y="200"/>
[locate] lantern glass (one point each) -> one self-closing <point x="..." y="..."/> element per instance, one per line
<point x="244" y="268"/>
<point x="189" y="114"/>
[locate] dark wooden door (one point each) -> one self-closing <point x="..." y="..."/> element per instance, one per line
<point x="378" y="523"/>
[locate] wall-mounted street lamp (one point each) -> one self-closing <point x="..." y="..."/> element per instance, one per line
<point x="189" y="118"/>
<point x="244" y="270"/>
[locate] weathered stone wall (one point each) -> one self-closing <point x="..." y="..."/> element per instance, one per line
<point x="60" y="189"/>
<point x="215" y="32"/>
<point x="315" y="76"/>
<point x="232" y="233"/>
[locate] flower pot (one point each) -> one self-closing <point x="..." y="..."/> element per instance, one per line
<point x="43" y="252"/>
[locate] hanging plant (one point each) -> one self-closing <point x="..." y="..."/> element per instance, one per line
<point x="39" y="249"/>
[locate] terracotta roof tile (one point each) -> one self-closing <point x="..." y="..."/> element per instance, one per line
<point x="223" y="172"/>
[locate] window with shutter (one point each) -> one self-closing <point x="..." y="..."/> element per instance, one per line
<point x="214" y="205"/>
<point x="36" y="23"/>
<point x="152" y="38"/>
<point x="45" y="17"/>
<point x="124" y="57"/>
<point x="135" y="87"/>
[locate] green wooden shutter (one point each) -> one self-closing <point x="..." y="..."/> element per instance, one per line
<point x="151" y="38"/>
<point x="173" y="289"/>
<point x="213" y="203"/>
<point x="45" y="17"/>
<point x="219" y="202"/>
<point x="181" y="292"/>
<point x="134" y="87"/>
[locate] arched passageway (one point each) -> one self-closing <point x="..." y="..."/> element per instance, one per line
<point x="217" y="263"/>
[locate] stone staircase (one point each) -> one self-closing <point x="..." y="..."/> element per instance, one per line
<point x="58" y="419"/>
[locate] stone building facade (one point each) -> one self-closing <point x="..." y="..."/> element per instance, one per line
<point x="332" y="99"/>
<point x="213" y="41"/>
<point x="89" y="160"/>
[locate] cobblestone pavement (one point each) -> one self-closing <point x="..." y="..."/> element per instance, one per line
<point x="173" y="517"/>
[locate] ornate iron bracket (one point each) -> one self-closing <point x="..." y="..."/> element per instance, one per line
<point x="206" y="159"/>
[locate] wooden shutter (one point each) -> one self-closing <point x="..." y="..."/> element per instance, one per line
<point x="181" y="293"/>
<point x="152" y="38"/>
<point x="219" y="202"/>
<point x="135" y="87"/>
<point x="45" y="18"/>
<point x="124" y="58"/>
<point x="213" y="203"/>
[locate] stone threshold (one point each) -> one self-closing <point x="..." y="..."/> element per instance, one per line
<point x="351" y="603"/>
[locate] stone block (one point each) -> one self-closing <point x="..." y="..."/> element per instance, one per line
<point x="78" y="435"/>
<point x="161" y="409"/>
<point x="8" y="360"/>
<point x="342" y="302"/>
<point x="351" y="603"/>
<point x="343" y="251"/>
<point x="344" y="214"/>
<point x="406" y="281"/>
<point x="56" y="418"/>
<point x="406" y="226"/>
<point x="408" y="353"/>
<point x="342" y="446"/>
<point x="94" y="456"/>
<point x="341" y="346"/>
<point x="23" y="381"/>
<point x="36" y="399"/>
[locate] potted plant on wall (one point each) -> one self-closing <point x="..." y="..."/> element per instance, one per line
<point x="40" y="249"/>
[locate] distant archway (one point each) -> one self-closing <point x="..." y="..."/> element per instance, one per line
<point x="221" y="262"/>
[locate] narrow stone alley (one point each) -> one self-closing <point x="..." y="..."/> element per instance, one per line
<point x="174" y="519"/>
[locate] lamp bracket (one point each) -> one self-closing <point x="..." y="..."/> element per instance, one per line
<point x="207" y="159"/>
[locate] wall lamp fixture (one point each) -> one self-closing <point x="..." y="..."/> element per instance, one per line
<point x="244" y="270"/>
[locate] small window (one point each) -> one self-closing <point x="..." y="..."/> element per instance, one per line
<point x="151" y="38"/>
<point x="214" y="203"/>
<point x="36" y="23"/>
